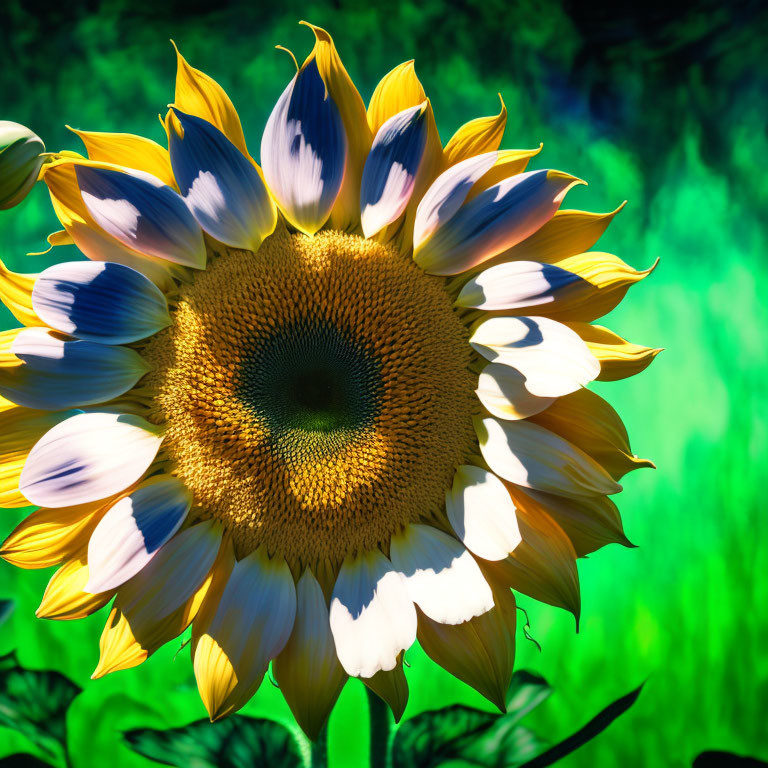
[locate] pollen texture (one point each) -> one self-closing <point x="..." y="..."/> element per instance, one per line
<point x="316" y="395"/>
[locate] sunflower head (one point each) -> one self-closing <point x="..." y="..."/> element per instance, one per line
<point x="315" y="408"/>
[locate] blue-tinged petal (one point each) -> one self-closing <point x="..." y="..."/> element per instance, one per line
<point x="131" y="533"/>
<point x="221" y="186"/>
<point x="88" y="457"/>
<point x="515" y="285"/>
<point x="303" y="151"/>
<point x="99" y="301"/>
<point x="390" y="170"/>
<point x="141" y="212"/>
<point x="498" y="218"/>
<point x="57" y="373"/>
<point x="447" y="193"/>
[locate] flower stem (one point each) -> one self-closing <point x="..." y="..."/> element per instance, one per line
<point x="318" y="750"/>
<point x="378" y="713"/>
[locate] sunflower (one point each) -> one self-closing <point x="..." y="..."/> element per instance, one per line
<point x="315" y="409"/>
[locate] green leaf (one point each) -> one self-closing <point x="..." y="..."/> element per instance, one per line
<point x="526" y="691"/>
<point x="35" y="703"/>
<point x="437" y="736"/>
<point x="236" y="742"/>
<point x="6" y="609"/>
<point x="595" y="726"/>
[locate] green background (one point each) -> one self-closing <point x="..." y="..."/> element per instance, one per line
<point x="658" y="106"/>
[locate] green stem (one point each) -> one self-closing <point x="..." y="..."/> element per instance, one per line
<point x="318" y="750"/>
<point x="378" y="713"/>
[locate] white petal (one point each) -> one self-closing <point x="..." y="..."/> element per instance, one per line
<point x="529" y="455"/>
<point x="133" y="530"/>
<point x="372" y="616"/>
<point x="173" y="575"/>
<point x="99" y="301"/>
<point x="482" y="513"/>
<point x="443" y="579"/>
<point x="391" y="167"/>
<point x="515" y="285"/>
<point x="143" y="213"/>
<point x="498" y="218"/>
<point x="504" y="392"/>
<point x="303" y="151"/>
<point x="57" y="373"/>
<point x="221" y="186"/>
<point x="447" y="193"/>
<point x="88" y="457"/>
<point x="552" y="358"/>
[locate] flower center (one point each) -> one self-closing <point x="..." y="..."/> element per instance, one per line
<point x="316" y="395"/>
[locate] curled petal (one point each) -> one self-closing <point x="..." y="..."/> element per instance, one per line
<point x="303" y="151"/>
<point x="482" y="513"/>
<point x="307" y="669"/>
<point x="442" y="577"/>
<point x="16" y="294"/>
<point x="133" y="530"/>
<point x="88" y="457"/>
<point x="618" y="357"/>
<point x="55" y="373"/>
<point x="391" y="168"/>
<point x="143" y="214"/>
<point x="551" y="358"/>
<point x="533" y="457"/>
<point x="221" y="186"/>
<point x="100" y="301"/>
<point x="498" y="218"/>
<point x="478" y="136"/>
<point x="251" y="624"/>
<point x="372" y="615"/>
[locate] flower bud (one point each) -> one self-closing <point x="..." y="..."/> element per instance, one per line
<point x="20" y="162"/>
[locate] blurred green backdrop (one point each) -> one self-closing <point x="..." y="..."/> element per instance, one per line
<point x="660" y="106"/>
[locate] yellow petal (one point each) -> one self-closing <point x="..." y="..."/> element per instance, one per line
<point x="478" y="136"/>
<point x="16" y="294"/>
<point x="589" y="422"/>
<point x="49" y="536"/>
<point x="618" y="357"/>
<point x="64" y="598"/>
<point x="21" y="428"/>
<point x="391" y="687"/>
<point x="62" y="237"/>
<point x="346" y="210"/>
<point x="567" y="233"/>
<point x="590" y="523"/>
<point x="544" y="564"/>
<point x="308" y="670"/>
<point x="129" y="151"/>
<point x="509" y="162"/>
<point x="399" y="90"/>
<point x="480" y="652"/>
<point x="129" y="637"/>
<point x="200" y="95"/>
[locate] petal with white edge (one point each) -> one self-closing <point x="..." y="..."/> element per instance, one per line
<point x="482" y="513"/>
<point x="220" y="185"/>
<point x="498" y="218"/>
<point x="144" y="214"/>
<point x="99" y="301"/>
<point x="58" y="373"/>
<point x="390" y="170"/>
<point x="303" y="151"/>
<point x="132" y="531"/>
<point x="552" y="358"/>
<point x="442" y="577"/>
<point x="372" y="615"/>
<point x="533" y="457"/>
<point x="515" y="285"/>
<point x="504" y="393"/>
<point x="88" y="457"/>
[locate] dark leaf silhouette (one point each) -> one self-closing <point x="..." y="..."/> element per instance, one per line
<point x="237" y="742"/>
<point x="717" y="759"/>
<point x="23" y="760"/>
